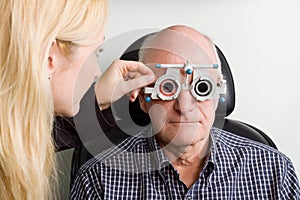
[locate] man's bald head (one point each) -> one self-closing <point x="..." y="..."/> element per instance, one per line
<point x="180" y="42"/>
<point x="177" y="44"/>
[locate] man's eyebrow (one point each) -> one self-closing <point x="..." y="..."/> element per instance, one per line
<point x="151" y="85"/>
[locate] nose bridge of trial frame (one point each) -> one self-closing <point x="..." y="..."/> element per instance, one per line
<point x="200" y="81"/>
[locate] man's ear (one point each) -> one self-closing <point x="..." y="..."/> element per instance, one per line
<point x="142" y="102"/>
<point x="216" y="103"/>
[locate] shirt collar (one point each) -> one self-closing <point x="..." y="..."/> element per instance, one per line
<point x="210" y="162"/>
<point x="213" y="150"/>
<point x="158" y="156"/>
<point x="213" y="157"/>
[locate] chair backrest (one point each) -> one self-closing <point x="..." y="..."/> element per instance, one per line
<point x="81" y="154"/>
<point x="224" y="108"/>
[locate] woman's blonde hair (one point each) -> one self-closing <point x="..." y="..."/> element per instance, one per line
<point x="27" y="30"/>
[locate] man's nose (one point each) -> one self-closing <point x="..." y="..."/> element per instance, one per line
<point x="185" y="102"/>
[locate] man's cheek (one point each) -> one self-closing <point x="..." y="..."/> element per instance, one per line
<point x="158" y="115"/>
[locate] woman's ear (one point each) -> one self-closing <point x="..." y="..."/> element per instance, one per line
<point x="55" y="57"/>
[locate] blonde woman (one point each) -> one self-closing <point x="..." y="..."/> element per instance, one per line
<point x="43" y="45"/>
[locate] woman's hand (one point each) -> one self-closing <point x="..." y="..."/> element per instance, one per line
<point x="122" y="77"/>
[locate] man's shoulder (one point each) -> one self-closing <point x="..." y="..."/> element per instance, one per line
<point x="254" y="163"/>
<point x="227" y="141"/>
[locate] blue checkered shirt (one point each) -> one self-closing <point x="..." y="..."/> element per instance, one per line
<point x="236" y="168"/>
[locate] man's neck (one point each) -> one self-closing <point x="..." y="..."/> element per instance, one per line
<point x="189" y="160"/>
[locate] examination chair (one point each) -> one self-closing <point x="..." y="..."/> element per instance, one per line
<point x="81" y="154"/>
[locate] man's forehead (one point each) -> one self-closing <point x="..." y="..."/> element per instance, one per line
<point x="194" y="47"/>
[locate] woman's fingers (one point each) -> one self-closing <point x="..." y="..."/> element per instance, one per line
<point x="136" y="83"/>
<point x="132" y="66"/>
<point x="134" y="94"/>
<point x="121" y="78"/>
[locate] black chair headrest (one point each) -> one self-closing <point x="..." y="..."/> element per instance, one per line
<point x="224" y="109"/>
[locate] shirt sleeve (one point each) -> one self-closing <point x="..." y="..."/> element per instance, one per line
<point x="65" y="134"/>
<point x="290" y="188"/>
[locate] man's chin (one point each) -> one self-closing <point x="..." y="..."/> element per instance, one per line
<point x="186" y="134"/>
<point x="186" y="127"/>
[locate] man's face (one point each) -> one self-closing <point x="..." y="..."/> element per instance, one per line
<point x="183" y="121"/>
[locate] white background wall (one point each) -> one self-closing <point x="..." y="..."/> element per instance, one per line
<point x="261" y="40"/>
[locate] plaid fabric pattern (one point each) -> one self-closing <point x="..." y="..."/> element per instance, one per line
<point x="236" y="168"/>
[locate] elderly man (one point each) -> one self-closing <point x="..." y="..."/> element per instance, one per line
<point x="181" y="156"/>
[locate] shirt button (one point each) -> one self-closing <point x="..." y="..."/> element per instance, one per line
<point x="188" y="198"/>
